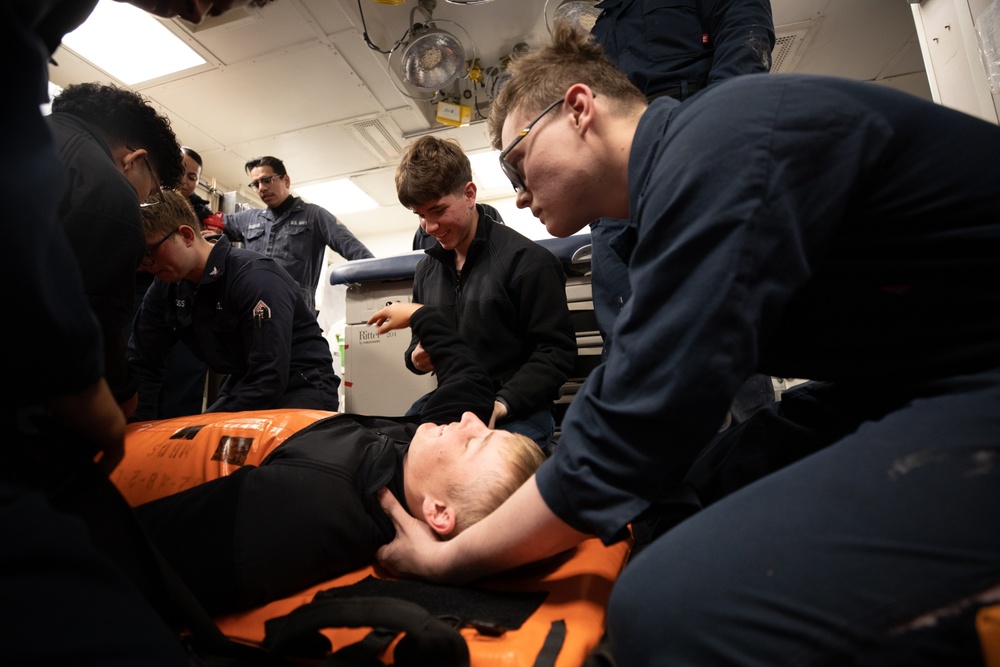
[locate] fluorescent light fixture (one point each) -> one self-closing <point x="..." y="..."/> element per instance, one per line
<point x="152" y="50"/>
<point x="339" y="197"/>
<point x="487" y="168"/>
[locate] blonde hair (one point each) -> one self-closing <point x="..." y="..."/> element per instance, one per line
<point x="170" y="210"/>
<point x="474" y="499"/>
<point x="542" y="76"/>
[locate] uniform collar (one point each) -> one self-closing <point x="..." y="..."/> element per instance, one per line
<point x="647" y="143"/>
<point x="215" y="267"/>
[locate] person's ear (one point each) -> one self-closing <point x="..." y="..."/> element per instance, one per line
<point x="187" y="233"/>
<point x="132" y="159"/>
<point x="470" y="193"/>
<point x="440" y="516"/>
<point x="580" y="99"/>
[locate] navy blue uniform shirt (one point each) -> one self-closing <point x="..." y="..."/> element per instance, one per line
<point x="246" y="319"/>
<point x="297" y="239"/>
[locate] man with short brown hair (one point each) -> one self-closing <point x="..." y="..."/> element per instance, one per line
<point x="236" y="309"/>
<point x="505" y="293"/>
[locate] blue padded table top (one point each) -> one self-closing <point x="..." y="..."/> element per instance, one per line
<point x="571" y="251"/>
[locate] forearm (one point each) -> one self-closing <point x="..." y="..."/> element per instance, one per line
<point x="743" y="33"/>
<point x="96" y="416"/>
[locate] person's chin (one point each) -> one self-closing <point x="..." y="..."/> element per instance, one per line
<point x="560" y="228"/>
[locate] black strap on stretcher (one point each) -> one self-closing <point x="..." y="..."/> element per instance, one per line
<point x="427" y="641"/>
<point x="553" y="644"/>
<point x="430" y="615"/>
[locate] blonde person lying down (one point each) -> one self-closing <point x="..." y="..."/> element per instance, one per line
<point x="309" y="512"/>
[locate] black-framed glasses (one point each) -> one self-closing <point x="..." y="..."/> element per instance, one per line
<point x="148" y="259"/>
<point x="154" y="197"/>
<point x="508" y="169"/>
<point x="263" y="180"/>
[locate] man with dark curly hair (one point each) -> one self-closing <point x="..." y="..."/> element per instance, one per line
<point x="117" y="150"/>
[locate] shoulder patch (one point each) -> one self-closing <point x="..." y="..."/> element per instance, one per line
<point x="261" y="312"/>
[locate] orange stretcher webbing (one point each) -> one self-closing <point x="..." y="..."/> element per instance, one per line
<point x="167" y="456"/>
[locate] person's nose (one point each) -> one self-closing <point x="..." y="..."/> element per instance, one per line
<point x="471" y="422"/>
<point x="523" y="198"/>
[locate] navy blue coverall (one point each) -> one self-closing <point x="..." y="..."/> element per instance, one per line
<point x="674" y="49"/>
<point x="801" y="227"/>
<point x="246" y="319"/>
<point x="669" y="49"/>
<point x="297" y="239"/>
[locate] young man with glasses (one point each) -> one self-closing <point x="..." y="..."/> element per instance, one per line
<point x="236" y="309"/>
<point x="184" y="382"/>
<point x="116" y="150"/>
<point x="802" y="226"/>
<point x="296" y="234"/>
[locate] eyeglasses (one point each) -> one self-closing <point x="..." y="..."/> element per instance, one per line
<point x="154" y="197"/>
<point x="263" y="180"/>
<point x="149" y="260"/>
<point x="508" y="169"/>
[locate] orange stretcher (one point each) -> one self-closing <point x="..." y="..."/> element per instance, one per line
<point x="168" y="456"/>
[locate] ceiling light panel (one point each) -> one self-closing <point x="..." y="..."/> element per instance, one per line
<point x="339" y="197"/>
<point x="153" y="50"/>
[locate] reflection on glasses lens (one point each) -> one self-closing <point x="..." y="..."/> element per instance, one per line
<point x="263" y="180"/>
<point x="153" y="200"/>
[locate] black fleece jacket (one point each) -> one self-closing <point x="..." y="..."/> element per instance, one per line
<point x="509" y="304"/>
